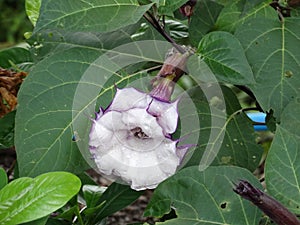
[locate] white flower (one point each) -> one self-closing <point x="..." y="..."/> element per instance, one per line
<point x="131" y="139"/>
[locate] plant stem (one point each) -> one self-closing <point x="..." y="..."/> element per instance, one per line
<point x="272" y="208"/>
<point x="152" y="20"/>
<point x="77" y="213"/>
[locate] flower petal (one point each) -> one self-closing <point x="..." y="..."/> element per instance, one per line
<point x="141" y="118"/>
<point x="128" y="98"/>
<point x="104" y="128"/>
<point x="99" y="134"/>
<point x="112" y="120"/>
<point x="182" y="150"/>
<point x="167" y="114"/>
<point x="154" y="168"/>
<point x="142" y="170"/>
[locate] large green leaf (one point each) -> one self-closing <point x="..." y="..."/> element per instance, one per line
<point x="48" y="41"/>
<point x="236" y="12"/>
<point x="96" y="15"/>
<point x="226" y="135"/>
<point x="43" y="134"/>
<point x="33" y="10"/>
<point x="273" y="52"/>
<point x="203" y="19"/>
<point x="282" y="165"/>
<point x="226" y="58"/>
<point x="26" y="199"/>
<point x="116" y="197"/>
<point x="240" y="137"/>
<point x="204" y="197"/>
<point x="53" y="145"/>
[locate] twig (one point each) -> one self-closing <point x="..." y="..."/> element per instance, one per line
<point x="152" y="20"/>
<point x="272" y="208"/>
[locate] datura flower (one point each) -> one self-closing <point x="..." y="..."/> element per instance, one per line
<point x="131" y="139"/>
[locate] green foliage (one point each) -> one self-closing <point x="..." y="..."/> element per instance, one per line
<point x="86" y="16"/>
<point x="204" y="197"/>
<point x="33" y="10"/>
<point x="79" y="51"/>
<point x="238" y="146"/>
<point x="16" y="57"/>
<point x="13" y="22"/>
<point x="226" y="58"/>
<point x="116" y="197"/>
<point x="271" y="51"/>
<point x="3" y="178"/>
<point x="236" y="12"/>
<point x="26" y="199"/>
<point x="282" y="165"/>
<point x="203" y="21"/>
<point x="92" y="194"/>
<point x="50" y="145"/>
<point x="167" y="7"/>
<point x="7" y="130"/>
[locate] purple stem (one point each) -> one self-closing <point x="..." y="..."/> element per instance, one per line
<point x="272" y="208"/>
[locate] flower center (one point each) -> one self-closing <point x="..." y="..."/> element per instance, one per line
<point x="138" y="132"/>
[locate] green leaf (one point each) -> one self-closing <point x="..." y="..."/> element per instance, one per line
<point x="92" y="194"/>
<point x="239" y="146"/>
<point x="83" y="16"/>
<point x="69" y="213"/>
<point x="178" y="31"/>
<point x="290" y="116"/>
<point x="15" y="55"/>
<point x="282" y="169"/>
<point x="41" y="221"/>
<point x="3" y="178"/>
<point x="52" y="221"/>
<point x="33" y="10"/>
<point x="64" y="156"/>
<point x="49" y="42"/>
<point x="167" y="7"/>
<point x="265" y="221"/>
<point x="43" y="132"/>
<point x="26" y="199"/>
<point x="226" y="58"/>
<point x="203" y="19"/>
<point x="204" y="197"/>
<point x="273" y="52"/>
<point x="116" y="197"/>
<point x="7" y="124"/>
<point x="138" y="224"/>
<point x="226" y="135"/>
<point x="236" y="12"/>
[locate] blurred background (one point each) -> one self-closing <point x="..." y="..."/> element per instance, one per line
<point x="13" y="22"/>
